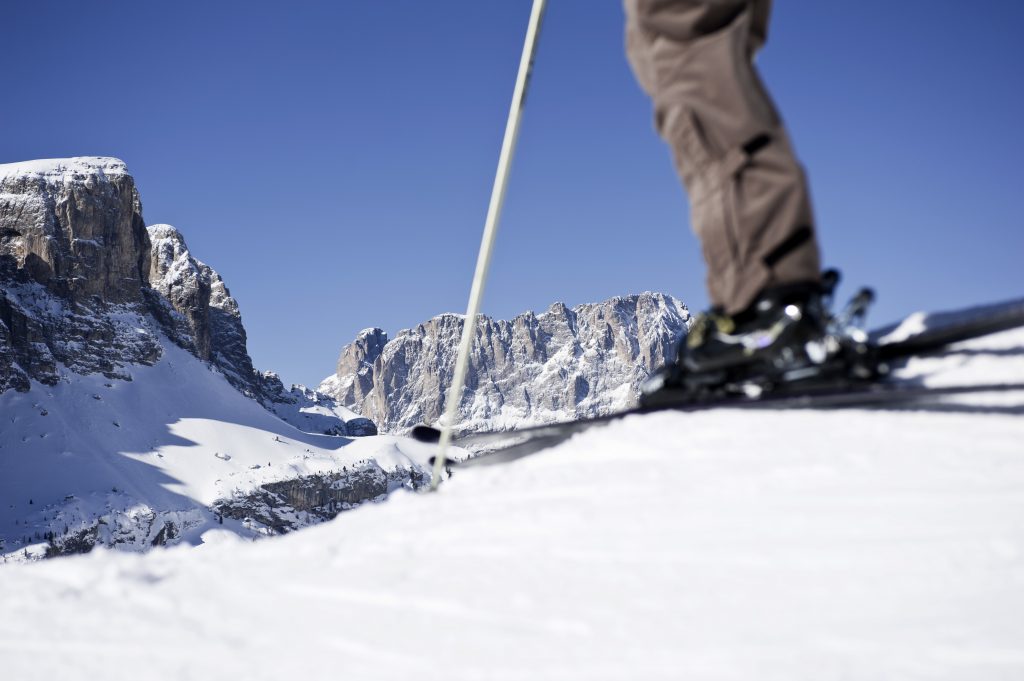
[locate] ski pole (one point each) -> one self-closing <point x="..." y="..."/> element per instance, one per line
<point x="483" y="261"/>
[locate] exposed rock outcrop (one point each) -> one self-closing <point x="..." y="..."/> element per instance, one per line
<point x="352" y="381"/>
<point x="74" y="259"/>
<point x="563" y="363"/>
<point x="199" y="295"/>
<point x="75" y="226"/>
<point x="281" y="507"/>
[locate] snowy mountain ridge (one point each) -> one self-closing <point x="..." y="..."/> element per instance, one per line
<point x="563" y="363"/>
<point x="76" y="261"/>
<point x="63" y="170"/>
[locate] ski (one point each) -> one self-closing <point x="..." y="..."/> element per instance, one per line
<point x="515" y="444"/>
<point x="938" y="332"/>
<point x="948" y="328"/>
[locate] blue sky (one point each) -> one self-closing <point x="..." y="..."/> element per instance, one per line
<point x="333" y="160"/>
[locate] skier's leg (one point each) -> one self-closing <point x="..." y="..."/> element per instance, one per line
<point x="748" y="194"/>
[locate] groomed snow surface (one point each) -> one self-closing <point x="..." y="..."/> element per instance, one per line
<point x="721" y="545"/>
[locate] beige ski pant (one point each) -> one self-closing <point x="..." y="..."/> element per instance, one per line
<point x="748" y="194"/>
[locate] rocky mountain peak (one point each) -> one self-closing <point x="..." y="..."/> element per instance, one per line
<point x="363" y="351"/>
<point x="208" y="318"/>
<point x="75" y="226"/>
<point x="562" y="363"/>
<point x="352" y="381"/>
<point x="74" y="262"/>
<point x="86" y="288"/>
<point x="199" y="294"/>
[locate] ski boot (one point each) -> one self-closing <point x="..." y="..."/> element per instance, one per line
<point x="787" y="338"/>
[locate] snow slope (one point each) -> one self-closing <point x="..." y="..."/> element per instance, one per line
<point x="762" y="545"/>
<point x="163" y="446"/>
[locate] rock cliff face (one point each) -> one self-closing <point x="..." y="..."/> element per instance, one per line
<point x="74" y="258"/>
<point x="292" y="504"/>
<point x="75" y="226"/>
<point x="85" y="287"/>
<point x="211" y="318"/>
<point x="560" y="364"/>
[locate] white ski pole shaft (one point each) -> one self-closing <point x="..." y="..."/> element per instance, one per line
<point x="483" y="261"/>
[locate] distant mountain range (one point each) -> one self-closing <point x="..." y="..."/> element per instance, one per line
<point x="132" y="415"/>
<point x="560" y="364"/>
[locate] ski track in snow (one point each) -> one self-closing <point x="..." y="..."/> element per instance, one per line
<point x="719" y="545"/>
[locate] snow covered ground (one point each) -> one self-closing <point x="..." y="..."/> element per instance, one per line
<point x="720" y="545"/>
<point x="158" y="449"/>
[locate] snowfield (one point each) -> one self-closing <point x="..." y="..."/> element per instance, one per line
<point x="160" y="448"/>
<point x="856" y="544"/>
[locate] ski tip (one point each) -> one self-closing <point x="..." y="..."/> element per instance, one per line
<point x="422" y="433"/>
